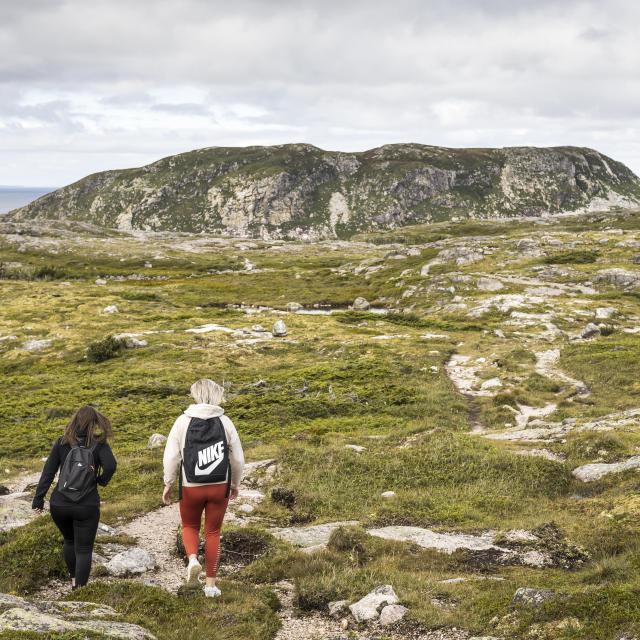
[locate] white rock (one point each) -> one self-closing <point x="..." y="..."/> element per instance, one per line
<point x="36" y="345"/>
<point x="338" y="608"/>
<point x="387" y="495"/>
<point x="156" y="440"/>
<point x="604" y="313"/>
<point x="132" y="561"/>
<point x="315" y="536"/>
<point x="392" y="613"/>
<point x="489" y="284"/>
<point x="246" y="508"/>
<point x="590" y="331"/>
<point x="492" y="383"/>
<point x="445" y="542"/>
<point x="593" y="472"/>
<point x="355" y="447"/>
<point x="361" y="304"/>
<point x="368" y="608"/>
<point x="294" y="306"/>
<point x="279" y="329"/>
<point x="112" y="308"/>
<point x="100" y="281"/>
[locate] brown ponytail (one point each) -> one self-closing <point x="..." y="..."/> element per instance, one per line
<point x="89" y="423"/>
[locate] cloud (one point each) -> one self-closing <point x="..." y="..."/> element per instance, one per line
<point x="93" y="85"/>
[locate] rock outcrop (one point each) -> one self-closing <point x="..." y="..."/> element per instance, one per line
<point x="300" y="191"/>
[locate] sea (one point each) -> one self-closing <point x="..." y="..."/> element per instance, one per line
<point x="13" y="197"/>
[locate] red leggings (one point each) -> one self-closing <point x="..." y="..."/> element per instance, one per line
<point x="210" y="498"/>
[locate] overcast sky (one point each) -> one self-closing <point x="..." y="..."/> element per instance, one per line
<point x="87" y="85"/>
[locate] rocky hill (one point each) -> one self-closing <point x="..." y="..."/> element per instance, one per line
<point x="300" y="191"/>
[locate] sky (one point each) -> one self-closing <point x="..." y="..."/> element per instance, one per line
<point x="88" y="85"/>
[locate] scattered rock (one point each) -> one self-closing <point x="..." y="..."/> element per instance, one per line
<point x="294" y="306"/>
<point x="156" y="440"/>
<point x="368" y="608"/>
<point x="279" y="329"/>
<point x="387" y="495"/>
<point x="621" y="278"/>
<point x="355" y="447"/>
<point x="101" y="281"/>
<point x="489" y="284"/>
<point x="4" y="490"/>
<point x="312" y="537"/>
<point x="492" y="383"/>
<point x="36" y="345"/>
<point x="112" y="308"/>
<point x="596" y="471"/>
<point x="528" y="597"/>
<point x="392" y="614"/>
<point x="130" y="562"/>
<point x="590" y="331"/>
<point x="338" y="608"/>
<point x="605" y="313"/>
<point x="360" y="304"/>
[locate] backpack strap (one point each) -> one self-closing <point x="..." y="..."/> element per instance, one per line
<point x="226" y="453"/>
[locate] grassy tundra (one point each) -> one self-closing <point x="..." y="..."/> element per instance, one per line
<point x="350" y="378"/>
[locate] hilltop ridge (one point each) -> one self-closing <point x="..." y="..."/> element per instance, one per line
<point x="299" y="191"/>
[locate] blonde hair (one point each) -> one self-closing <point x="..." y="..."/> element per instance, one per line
<point x="205" y="391"/>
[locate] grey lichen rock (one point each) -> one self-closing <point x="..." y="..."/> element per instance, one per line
<point x="338" y="608"/>
<point x="50" y="617"/>
<point x="294" y="306"/>
<point x="131" y="562"/>
<point x="369" y="607"/>
<point x="361" y="304"/>
<point x="279" y="329"/>
<point x="528" y="597"/>
<point x="156" y="440"/>
<point x="301" y="192"/>
<point x="597" y="470"/>
<point x="392" y="614"/>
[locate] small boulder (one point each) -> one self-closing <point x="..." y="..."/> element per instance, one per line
<point x="605" y="313"/>
<point x="4" y="491"/>
<point x="387" y="495"/>
<point x="36" y="345"/>
<point x="489" y="284"/>
<point x="101" y="281"/>
<point x="246" y="508"/>
<point x="130" y="562"/>
<point x="392" y="614"/>
<point x="294" y="306"/>
<point x="368" y="608"/>
<point x="527" y="597"/>
<point x="112" y="308"/>
<point x="279" y="329"/>
<point x="338" y="608"/>
<point x="361" y="304"/>
<point x="355" y="447"/>
<point x="491" y="383"/>
<point x="590" y="331"/>
<point x="156" y="440"/>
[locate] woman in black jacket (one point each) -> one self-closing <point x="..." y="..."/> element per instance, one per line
<point x="78" y="519"/>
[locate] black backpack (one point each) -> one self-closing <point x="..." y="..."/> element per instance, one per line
<point x="205" y="457"/>
<point x="78" y="474"/>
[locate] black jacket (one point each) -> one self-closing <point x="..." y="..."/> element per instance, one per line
<point x="105" y="468"/>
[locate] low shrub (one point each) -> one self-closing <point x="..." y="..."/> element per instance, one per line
<point x="104" y="349"/>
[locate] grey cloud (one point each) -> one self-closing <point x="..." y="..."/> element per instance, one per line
<point x="118" y="82"/>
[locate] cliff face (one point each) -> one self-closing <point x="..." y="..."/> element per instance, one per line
<point x="300" y="191"/>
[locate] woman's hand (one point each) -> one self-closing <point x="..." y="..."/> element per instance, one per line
<point x="166" y="494"/>
<point x="233" y="494"/>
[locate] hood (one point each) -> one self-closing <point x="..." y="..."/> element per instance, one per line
<point x="204" y="411"/>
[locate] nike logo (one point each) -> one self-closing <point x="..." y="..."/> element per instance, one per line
<point x="211" y="456"/>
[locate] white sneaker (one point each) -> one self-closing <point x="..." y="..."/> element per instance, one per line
<point x="212" y="592"/>
<point x="194" y="569"/>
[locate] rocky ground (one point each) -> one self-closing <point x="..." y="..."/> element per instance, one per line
<point x="430" y="412"/>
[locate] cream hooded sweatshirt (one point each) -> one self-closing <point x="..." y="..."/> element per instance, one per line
<point x="175" y="444"/>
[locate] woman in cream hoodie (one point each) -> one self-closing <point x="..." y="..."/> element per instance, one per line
<point x="212" y="498"/>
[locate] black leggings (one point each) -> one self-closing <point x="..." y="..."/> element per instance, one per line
<point x="78" y="525"/>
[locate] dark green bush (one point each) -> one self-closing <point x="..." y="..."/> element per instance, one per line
<point x="104" y="349"/>
<point x="572" y="257"/>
